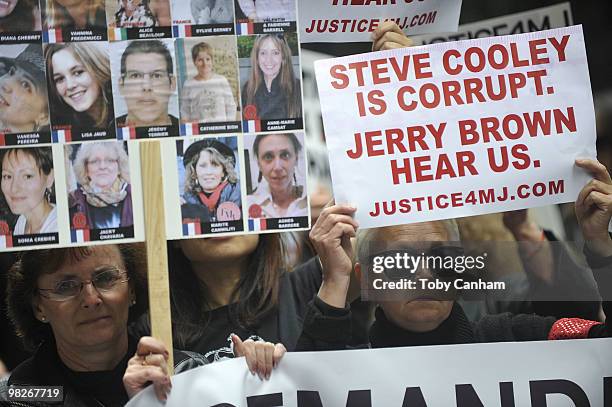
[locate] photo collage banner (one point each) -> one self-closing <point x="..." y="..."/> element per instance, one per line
<point x="219" y="81"/>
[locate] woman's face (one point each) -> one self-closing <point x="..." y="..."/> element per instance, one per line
<point x="209" y="173"/>
<point x="73" y="82"/>
<point x="23" y="183"/>
<point x="102" y="167"/>
<point x="22" y="105"/>
<point x="92" y="318"/>
<point x="277" y="159"/>
<point x="7" y="7"/>
<point x="204" y="64"/>
<point x="269" y="58"/>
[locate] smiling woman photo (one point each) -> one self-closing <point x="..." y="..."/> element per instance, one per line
<point x="27" y="186"/>
<point x="272" y="90"/>
<point x="211" y="179"/>
<point x="103" y="195"/>
<point x="79" y="81"/>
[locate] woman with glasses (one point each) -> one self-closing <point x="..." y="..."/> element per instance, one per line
<point x="103" y="196"/>
<point x="72" y="307"/>
<point x="79" y="81"/>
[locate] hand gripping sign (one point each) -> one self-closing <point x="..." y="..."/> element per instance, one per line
<point x="467" y="128"/>
<point x="383" y="378"/>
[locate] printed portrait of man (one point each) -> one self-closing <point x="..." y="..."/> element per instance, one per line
<point x="147" y="84"/>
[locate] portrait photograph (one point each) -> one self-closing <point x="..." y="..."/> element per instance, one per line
<point x="24" y="103"/>
<point x="99" y="189"/>
<point x="209" y="184"/>
<point x="270" y="81"/>
<point x="73" y="17"/>
<point x="19" y="16"/>
<point x="144" y="88"/>
<point x="27" y="199"/>
<point x="80" y="90"/>
<point x="208" y="83"/>
<point x="276" y="176"/>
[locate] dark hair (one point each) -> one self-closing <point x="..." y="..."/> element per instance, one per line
<point x="255" y="295"/>
<point x="21" y="19"/>
<point x="22" y="286"/>
<point x="147" y="47"/>
<point x="42" y="156"/>
<point x="292" y="137"/>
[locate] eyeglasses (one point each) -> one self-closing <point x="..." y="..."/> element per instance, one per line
<point x="106" y="161"/>
<point x="104" y="280"/>
<point x="157" y="77"/>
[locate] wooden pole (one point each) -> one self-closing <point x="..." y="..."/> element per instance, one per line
<point x="155" y="235"/>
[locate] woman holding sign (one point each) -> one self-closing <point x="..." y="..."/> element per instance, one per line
<point x="72" y="307"/>
<point x="80" y="82"/>
<point x="272" y="90"/>
<point x="27" y="186"/>
<point x="212" y="190"/>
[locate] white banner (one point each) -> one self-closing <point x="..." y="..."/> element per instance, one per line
<point x="354" y="20"/>
<point x="544" y="18"/>
<point x="503" y="374"/>
<point x="458" y="129"/>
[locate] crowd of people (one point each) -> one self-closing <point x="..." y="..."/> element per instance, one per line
<point x="83" y="311"/>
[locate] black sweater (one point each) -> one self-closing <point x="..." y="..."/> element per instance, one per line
<point x="329" y="328"/>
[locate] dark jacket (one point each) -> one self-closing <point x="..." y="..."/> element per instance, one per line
<point x="45" y="368"/>
<point x="193" y="208"/>
<point x="78" y="203"/>
<point x="329" y="328"/>
<point x="274" y="104"/>
<point x="283" y="324"/>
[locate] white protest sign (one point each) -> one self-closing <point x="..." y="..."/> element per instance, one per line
<point x="354" y="20"/>
<point x="458" y="129"/>
<point x="543" y="18"/>
<point x="506" y="374"/>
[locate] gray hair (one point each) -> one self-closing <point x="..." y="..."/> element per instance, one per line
<point x="366" y="236"/>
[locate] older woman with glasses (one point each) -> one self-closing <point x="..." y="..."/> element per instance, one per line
<point x="72" y="307"/>
<point x="103" y="196"/>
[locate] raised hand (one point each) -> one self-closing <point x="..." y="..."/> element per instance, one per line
<point x="389" y="36"/>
